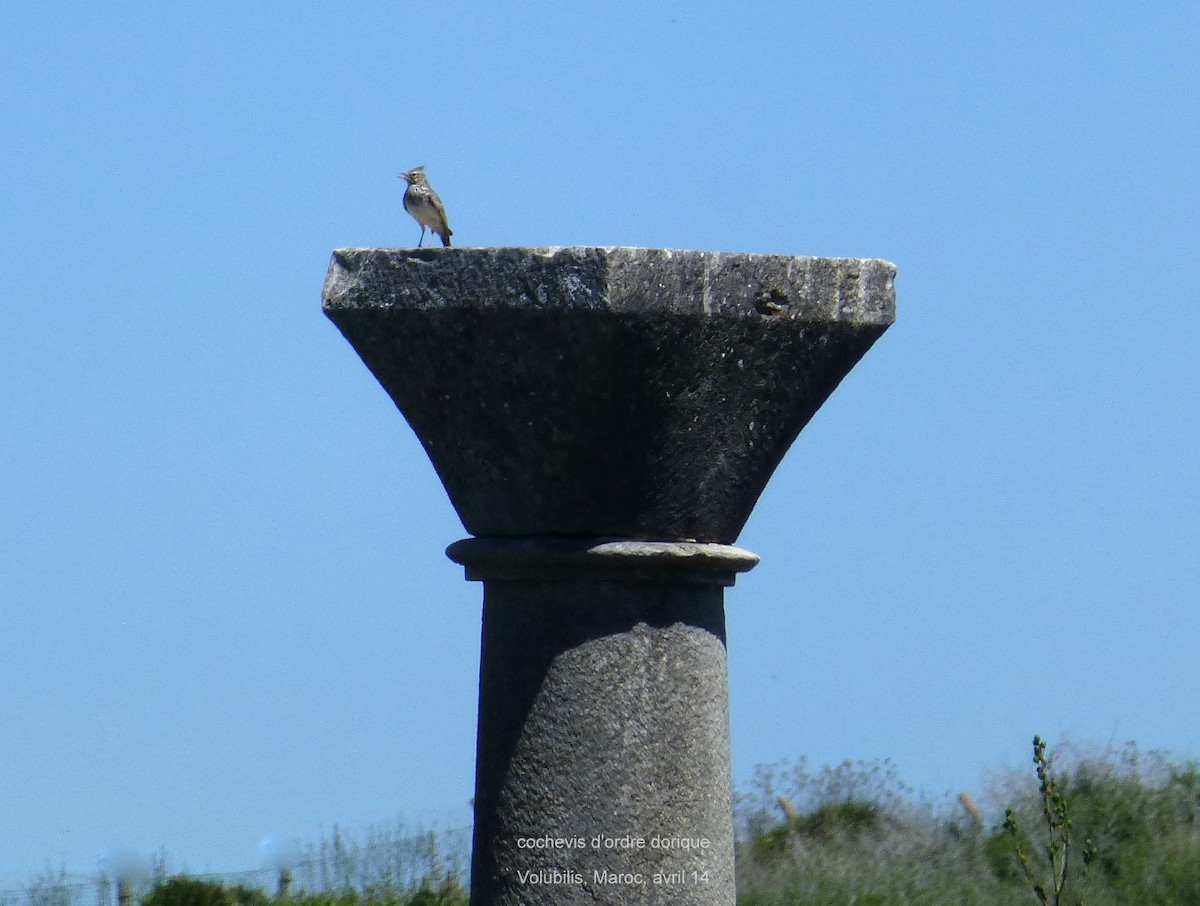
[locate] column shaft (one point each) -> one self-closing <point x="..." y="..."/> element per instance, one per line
<point x="603" y="756"/>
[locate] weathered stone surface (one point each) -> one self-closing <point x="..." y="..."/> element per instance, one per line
<point x="632" y="393"/>
<point x="602" y="773"/>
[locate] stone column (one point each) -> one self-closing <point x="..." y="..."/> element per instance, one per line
<point x="604" y="420"/>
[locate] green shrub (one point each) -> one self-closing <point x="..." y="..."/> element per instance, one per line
<point x="846" y="820"/>
<point x="184" y="891"/>
<point x="859" y="837"/>
<point x="448" y="892"/>
<point x="1139" y="811"/>
<point x="1065" y="870"/>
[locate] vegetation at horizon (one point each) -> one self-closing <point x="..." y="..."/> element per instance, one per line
<point x="1120" y="827"/>
<point x="1117" y="827"/>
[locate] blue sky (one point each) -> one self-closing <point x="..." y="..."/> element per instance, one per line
<point x="224" y="605"/>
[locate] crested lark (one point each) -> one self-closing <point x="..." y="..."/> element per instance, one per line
<point x="426" y="208"/>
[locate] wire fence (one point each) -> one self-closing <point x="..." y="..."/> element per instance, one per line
<point x="389" y="859"/>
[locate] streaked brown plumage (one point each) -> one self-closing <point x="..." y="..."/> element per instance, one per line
<point x="424" y="205"/>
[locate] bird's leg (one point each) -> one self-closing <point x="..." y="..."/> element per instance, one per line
<point x="422" y="239"/>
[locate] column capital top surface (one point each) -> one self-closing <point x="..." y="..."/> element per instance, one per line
<point x="615" y="279"/>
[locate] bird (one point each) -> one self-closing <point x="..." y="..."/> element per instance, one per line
<point x="424" y="205"/>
